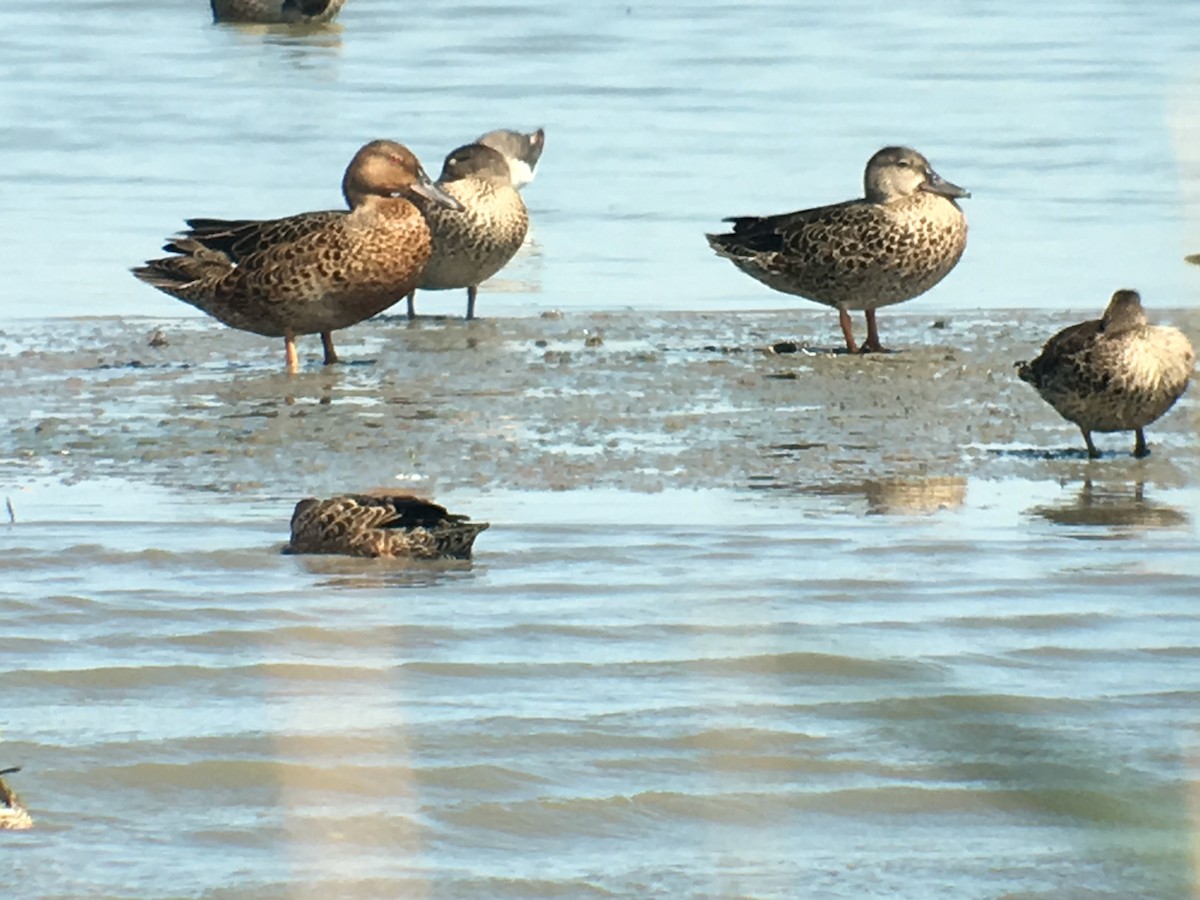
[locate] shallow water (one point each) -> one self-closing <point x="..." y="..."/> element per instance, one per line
<point x="1075" y="127"/>
<point x="904" y="643"/>
<point x="623" y="695"/>
<point x="746" y="623"/>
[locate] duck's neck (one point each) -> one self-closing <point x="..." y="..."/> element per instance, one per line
<point x="356" y="196"/>
<point x="369" y="205"/>
<point x="1125" y="318"/>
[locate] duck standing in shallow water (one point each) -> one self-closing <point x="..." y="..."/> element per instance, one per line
<point x="472" y="244"/>
<point x="381" y="524"/>
<point x="276" y="12"/>
<point x="898" y="241"/>
<point x="1115" y="373"/>
<point x="13" y="815"/>
<point x="520" y="150"/>
<point x="311" y="273"/>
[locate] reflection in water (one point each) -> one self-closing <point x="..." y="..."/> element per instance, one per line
<point x="304" y="47"/>
<point x="892" y="496"/>
<point x="1123" y="505"/>
<point x="349" y="573"/>
<point x="318" y="35"/>
<point x="914" y="496"/>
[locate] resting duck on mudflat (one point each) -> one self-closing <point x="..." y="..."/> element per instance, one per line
<point x="900" y="239"/>
<point x="472" y="244"/>
<point x="315" y="272"/>
<point x="1115" y="373"/>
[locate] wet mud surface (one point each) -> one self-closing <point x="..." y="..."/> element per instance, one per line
<point x="633" y="401"/>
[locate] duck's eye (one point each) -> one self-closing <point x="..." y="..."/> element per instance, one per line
<point x="903" y="163"/>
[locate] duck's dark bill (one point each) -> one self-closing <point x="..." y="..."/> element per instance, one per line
<point x="939" y="185"/>
<point x="434" y="194"/>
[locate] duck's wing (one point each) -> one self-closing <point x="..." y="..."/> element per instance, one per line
<point x="240" y="239"/>
<point x="1061" y="350"/>
<point x="785" y="232"/>
<point x="210" y="250"/>
<point x="308" y="7"/>
<point x="403" y="511"/>
<point x="353" y="521"/>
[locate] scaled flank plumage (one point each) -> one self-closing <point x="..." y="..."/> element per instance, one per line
<point x="898" y="241"/>
<point x="381" y="524"/>
<point x="1115" y="373"/>
<point x="13" y="815"/>
<point x="311" y="273"/>
<point x="276" y="12"/>
<point x="473" y="244"/>
<point x="520" y="150"/>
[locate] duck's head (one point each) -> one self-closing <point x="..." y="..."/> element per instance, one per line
<point x="389" y="169"/>
<point x="521" y="151"/>
<point x="896" y="172"/>
<point x="1124" y="311"/>
<point x="475" y="161"/>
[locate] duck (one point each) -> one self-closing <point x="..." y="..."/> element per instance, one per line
<point x="276" y="12"/>
<point x="521" y="150"/>
<point x="1115" y="373"/>
<point x="898" y="240"/>
<point x="315" y="272"/>
<point x="381" y="524"/>
<point x="13" y="815"/>
<point x="473" y="243"/>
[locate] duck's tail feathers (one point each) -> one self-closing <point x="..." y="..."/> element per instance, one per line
<point x="177" y="273"/>
<point x="722" y="244"/>
<point x="1026" y="372"/>
<point x="456" y="541"/>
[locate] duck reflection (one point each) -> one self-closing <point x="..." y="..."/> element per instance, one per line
<point x="1123" y="505"/>
<point x="345" y="573"/>
<point x="914" y="496"/>
<point x="901" y="496"/>
<point x="306" y="48"/>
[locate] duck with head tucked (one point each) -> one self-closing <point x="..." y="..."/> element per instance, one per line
<point x="473" y="243"/>
<point x="1115" y="373"/>
<point x="900" y="239"/>
<point x="315" y="272"/>
<point x="276" y="12"/>
<point x="520" y="150"/>
<point x="13" y="814"/>
<point x="381" y="524"/>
